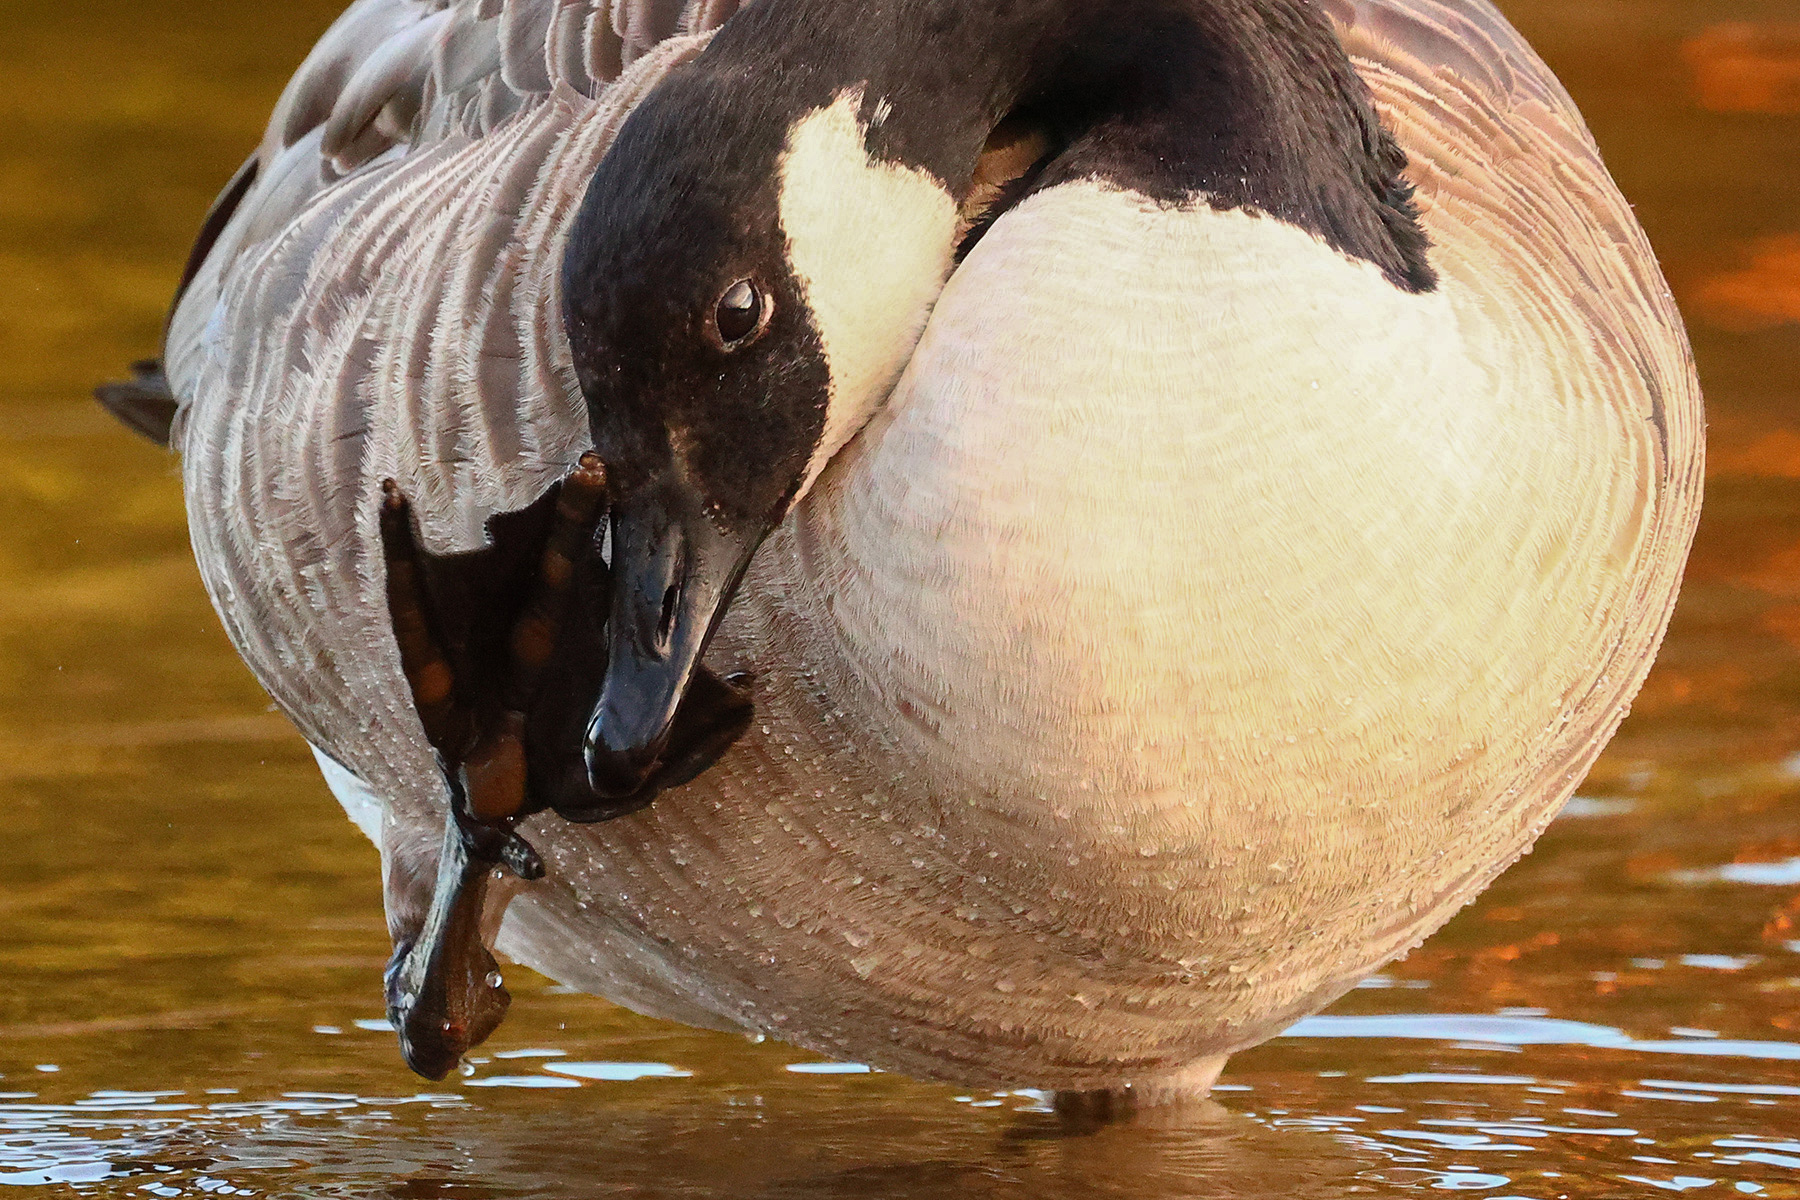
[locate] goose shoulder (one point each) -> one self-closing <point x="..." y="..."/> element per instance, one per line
<point x="1512" y="186"/>
<point x="395" y="78"/>
<point x="1469" y="39"/>
<point x="411" y="72"/>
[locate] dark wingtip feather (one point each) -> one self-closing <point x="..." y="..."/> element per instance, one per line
<point x="145" y="405"/>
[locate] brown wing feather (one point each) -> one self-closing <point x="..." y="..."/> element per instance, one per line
<point x="395" y="62"/>
<point x="1513" y="185"/>
<point x="1467" y="38"/>
<point x="397" y="76"/>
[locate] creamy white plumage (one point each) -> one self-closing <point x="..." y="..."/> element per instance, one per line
<point x="1200" y="621"/>
<point x="871" y="296"/>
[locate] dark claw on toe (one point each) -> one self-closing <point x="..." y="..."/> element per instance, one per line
<point x="517" y="856"/>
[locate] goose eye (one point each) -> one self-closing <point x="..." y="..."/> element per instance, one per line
<point x="740" y="315"/>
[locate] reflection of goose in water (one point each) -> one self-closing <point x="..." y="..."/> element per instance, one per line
<point x="1189" y="567"/>
<point x="767" y="1142"/>
<point x="1184" y="1150"/>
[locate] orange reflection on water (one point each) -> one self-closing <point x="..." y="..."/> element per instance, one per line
<point x="1771" y="455"/>
<point x="1720" y="686"/>
<point x="1784" y="622"/>
<point x="1763" y="293"/>
<point x="1745" y="67"/>
<point x="1784" y="924"/>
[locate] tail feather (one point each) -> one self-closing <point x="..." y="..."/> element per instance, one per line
<point x="145" y="405"/>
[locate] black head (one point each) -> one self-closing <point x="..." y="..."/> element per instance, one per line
<point x="706" y="385"/>
<point x="690" y="333"/>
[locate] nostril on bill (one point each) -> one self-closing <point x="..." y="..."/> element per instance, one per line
<point x="666" y="626"/>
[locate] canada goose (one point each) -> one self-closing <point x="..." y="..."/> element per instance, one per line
<point x="1173" y="496"/>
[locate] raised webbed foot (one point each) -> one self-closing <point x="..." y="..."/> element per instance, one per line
<point x="505" y="652"/>
<point x="444" y="990"/>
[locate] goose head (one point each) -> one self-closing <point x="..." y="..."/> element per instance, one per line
<point x="759" y="250"/>
<point x="743" y="286"/>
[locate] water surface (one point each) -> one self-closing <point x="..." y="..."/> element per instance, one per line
<point x="191" y="934"/>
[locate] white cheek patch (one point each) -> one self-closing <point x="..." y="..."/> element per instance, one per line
<point x="872" y="243"/>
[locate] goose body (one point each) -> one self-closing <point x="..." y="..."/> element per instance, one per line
<point x="1201" y="613"/>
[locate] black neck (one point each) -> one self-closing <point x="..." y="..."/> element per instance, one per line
<point x="1234" y="103"/>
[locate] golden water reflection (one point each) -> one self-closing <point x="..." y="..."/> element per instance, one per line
<point x="191" y="936"/>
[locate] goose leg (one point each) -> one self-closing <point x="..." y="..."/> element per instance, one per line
<point x="443" y="985"/>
